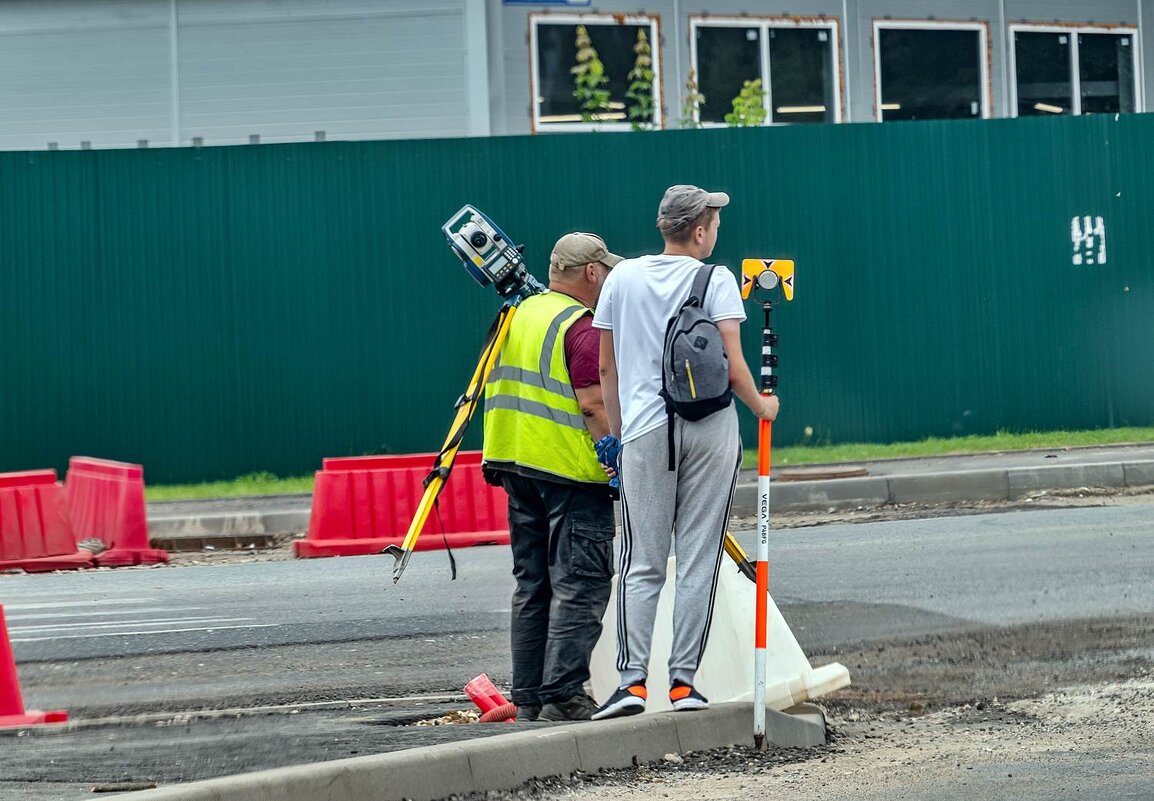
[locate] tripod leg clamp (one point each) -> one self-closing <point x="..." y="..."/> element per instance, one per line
<point x="440" y="471"/>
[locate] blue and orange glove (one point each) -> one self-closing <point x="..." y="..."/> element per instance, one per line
<point x="609" y="454"/>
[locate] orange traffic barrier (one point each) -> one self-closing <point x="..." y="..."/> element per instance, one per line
<point x="362" y="504"/>
<point x="12" y="711"/>
<point x="106" y="503"/>
<point x="35" y="534"/>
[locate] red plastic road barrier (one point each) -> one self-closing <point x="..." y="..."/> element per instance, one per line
<point x="362" y="504"/>
<point x="34" y="531"/>
<point x="12" y="712"/>
<point x="106" y="502"/>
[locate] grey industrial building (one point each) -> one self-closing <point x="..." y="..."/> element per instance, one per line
<point x="155" y="73"/>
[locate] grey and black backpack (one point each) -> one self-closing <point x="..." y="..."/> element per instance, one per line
<point x="694" y="365"/>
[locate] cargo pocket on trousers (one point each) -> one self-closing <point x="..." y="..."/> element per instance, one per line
<point x="590" y="549"/>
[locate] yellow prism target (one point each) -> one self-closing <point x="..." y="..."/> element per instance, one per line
<point x="766" y="274"/>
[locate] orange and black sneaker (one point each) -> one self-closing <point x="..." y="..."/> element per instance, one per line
<point x="626" y="701"/>
<point x="685" y="699"/>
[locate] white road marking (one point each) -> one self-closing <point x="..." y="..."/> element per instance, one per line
<point x="109" y="624"/>
<point x="76" y="619"/>
<point x="77" y="603"/>
<point x="103" y="613"/>
<point x="135" y="633"/>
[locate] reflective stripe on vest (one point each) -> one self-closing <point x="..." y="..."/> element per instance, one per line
<point x="537" y="410"/>
<point x="533" y="378"/>
<point x="532" y="417"/>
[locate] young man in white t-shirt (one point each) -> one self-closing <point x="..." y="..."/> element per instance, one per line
<point x="690" y="504"/>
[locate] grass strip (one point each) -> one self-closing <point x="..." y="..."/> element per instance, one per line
<point x="245" y="486"/>
<point x="950" y="446"/>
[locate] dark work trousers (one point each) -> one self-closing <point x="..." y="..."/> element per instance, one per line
<point x="562" y="539"/>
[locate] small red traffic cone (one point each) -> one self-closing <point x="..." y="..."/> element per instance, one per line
<point x="12" y="712"/>
<point x="484" y="694"/>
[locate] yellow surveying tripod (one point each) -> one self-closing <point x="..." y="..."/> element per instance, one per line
<point x="443" y="464"/>
<point x="489" y="258"/>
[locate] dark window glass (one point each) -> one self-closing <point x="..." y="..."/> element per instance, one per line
<point x="927" y="74"/>
<point x="1045" y="82"/>
<point x="1106" y="71"/>
<point x="800" y="71"/>
<point x="726" y="59"/>
<point x="557" y="54"/>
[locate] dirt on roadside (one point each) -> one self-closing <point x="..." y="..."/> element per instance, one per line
<point x="1016" y="749"/>
<point x="933" y="708"/>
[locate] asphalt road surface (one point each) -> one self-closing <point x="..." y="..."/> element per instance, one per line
<point x="166" y="641"/>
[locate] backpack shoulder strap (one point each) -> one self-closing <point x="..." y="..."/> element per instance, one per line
<point x="701" y="284"/>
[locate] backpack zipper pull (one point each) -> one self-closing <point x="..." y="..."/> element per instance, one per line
<point x="692" y="387"/>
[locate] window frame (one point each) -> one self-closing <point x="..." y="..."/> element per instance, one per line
<point x="1074" y="29"/>
<point x="984" y="63"/>
<point x="764" y="23"/>
<point x="536" y="19"/>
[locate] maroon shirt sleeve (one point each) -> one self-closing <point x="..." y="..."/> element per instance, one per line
<point x="582" y="350"/>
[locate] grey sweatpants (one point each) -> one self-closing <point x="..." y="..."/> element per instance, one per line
<point x="692" y="503"/>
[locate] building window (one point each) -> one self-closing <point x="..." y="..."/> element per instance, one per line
<point x="554" y="54"/>
<point x="1074" y="71"/>
<point x="796" y="63"/>
<point x="931" y="71"/>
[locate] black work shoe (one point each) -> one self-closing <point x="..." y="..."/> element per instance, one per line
<point x="626" y="701"/>
<point x="684" y="698"/>
<point x="579" y="707"/>
<point x="528" y="713"/>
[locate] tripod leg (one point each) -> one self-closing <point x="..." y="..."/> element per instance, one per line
<point x="738" y="555"/>
<point x="448" y="453"/>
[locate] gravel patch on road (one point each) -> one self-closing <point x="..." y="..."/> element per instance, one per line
<point x="964" y="716"/>
<point x="1000" y="750"/>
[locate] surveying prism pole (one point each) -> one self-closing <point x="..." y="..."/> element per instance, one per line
<point x="765" y="275"/>
<point x="764" y="447"/>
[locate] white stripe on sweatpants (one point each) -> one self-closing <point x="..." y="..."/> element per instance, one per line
<point x="686" y="509"/>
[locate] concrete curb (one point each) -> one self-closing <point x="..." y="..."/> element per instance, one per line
<point x="995" y="484"/>
<point x="992" y="484"/>
<point x="808" y="496"/>
<point x="505" y="761"/>
<point x="229" y="525"/>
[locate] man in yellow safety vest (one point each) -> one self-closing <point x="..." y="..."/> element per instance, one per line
<point x="543" y="412"/>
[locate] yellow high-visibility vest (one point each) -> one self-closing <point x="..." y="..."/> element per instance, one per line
<point x="532" y="419"/>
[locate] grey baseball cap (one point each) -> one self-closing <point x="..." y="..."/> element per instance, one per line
<point x="576" y="249"/>
<point x="683" y="203"/>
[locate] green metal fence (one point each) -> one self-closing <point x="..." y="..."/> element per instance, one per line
<point x="211" y="312"/>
